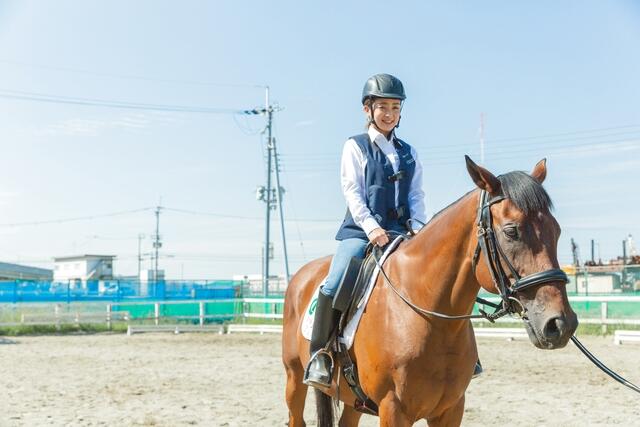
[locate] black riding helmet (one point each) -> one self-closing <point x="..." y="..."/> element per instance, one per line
<point x="383" y="86"/>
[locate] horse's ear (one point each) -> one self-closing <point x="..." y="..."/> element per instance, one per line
<point x="539" y="172"/>
<point x="484" y="179"/>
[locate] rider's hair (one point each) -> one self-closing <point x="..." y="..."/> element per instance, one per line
<point x="369" y="103"/>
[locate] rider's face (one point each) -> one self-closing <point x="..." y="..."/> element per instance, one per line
<point x="386" y="113"/>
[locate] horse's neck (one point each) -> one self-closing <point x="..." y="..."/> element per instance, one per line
<point x="439" y="259"/>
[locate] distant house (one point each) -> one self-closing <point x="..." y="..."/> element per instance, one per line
<point x="23" y="272"/>
<point x="82" y="268"/>
<point x="598" y="283"/>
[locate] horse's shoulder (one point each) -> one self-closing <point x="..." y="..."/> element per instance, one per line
<point x="309" y="275"/>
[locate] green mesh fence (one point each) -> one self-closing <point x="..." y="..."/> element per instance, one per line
<point x="258" y="310"/>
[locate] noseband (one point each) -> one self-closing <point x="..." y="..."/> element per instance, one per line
<point x="495" y="257"/>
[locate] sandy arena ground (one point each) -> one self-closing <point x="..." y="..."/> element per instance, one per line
<point x="238" y="380"/>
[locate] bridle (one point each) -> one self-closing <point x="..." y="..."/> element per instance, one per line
<point x="496" y="258"/>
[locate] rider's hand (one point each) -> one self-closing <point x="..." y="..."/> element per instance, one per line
<point x="378" y="237"/>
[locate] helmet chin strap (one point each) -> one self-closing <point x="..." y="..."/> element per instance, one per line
<point x="400" y="118"/>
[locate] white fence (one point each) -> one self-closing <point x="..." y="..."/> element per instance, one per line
<point x="271" y="309"/>
<point x="605" y="317"/>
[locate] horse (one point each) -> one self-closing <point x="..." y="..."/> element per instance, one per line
<point x="416" y="365"/>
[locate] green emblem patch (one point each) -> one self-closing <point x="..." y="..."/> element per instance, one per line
<point x="312" y="307"/>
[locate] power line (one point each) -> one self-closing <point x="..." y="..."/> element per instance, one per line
<point x="131" y="77"/>
<point x="212" y="214"/>
<point x="320" y="165"/>
<point x="57" y="99"/>
<point x="219" y="215"/>
<point x="132" y="211"/>
<point x="580" y="146"/>
<point x="80" y="218"/>
<point x="447" y="148"/>
<point x="564" y="133"/>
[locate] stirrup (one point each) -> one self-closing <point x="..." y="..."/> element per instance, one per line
<point x="477" y="370"/>
<point x="313" y="383"/>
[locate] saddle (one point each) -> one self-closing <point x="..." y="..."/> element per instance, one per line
<point x="354" y="284"/>
<point x="351" y="291"/>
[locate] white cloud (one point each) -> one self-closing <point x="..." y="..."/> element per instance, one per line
<point x="622" y="166"/>
<point x="7" y="197"/>
<point x="94" y="127"/>
<point x="304" y="123"/>
<point x="78" y="127"/>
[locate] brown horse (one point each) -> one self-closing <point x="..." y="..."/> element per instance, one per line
<point x="418" y="366"/>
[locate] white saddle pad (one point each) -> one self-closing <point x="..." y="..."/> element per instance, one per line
<point x="349" y="332"/>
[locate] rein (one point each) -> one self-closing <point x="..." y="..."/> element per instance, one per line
<point x="495" y="256"/>
<point x="482" y="315"/>
<point x="602" y="366"/>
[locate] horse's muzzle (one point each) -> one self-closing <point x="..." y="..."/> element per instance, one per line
<point x="553" y="331"/>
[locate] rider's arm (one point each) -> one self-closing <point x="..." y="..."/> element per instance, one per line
<point x="353" y="186"/>
<point x="416" y="194"/>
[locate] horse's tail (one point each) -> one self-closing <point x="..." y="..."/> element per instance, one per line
<point x="324" y="409"/>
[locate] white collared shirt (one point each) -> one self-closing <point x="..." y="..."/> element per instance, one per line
<point x="352" y="169"/>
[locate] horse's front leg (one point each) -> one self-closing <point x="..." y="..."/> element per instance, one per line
<point x="350" y="417"/>
<point x="452" y="417"/>
<point x="391" y="413"/>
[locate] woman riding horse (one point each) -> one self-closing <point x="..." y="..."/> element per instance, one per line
<point x="416" y="365"/>
<point x="382" y="184"/>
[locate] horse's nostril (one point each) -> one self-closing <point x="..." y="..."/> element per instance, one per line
<point x="553" y="328"/>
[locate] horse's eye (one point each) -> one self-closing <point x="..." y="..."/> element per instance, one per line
<point x="511" y="232"/>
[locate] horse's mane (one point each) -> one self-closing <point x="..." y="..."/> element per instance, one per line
<point x="437" y="214"/>
<point x="525" y="192"/>
<point x="519" y="187"/>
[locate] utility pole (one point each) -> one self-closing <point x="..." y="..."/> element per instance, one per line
<point x="140" y="237"/>
<point x="574" y="252"/>
<point x="267" y="218"/>
<point x="271" y="196"/>
<point x="624" y="262"/>
<point x="280" y="192"/>
<point x="157" y="244"/>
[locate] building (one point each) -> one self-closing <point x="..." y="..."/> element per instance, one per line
<point x="78" y="270"/>
<point x="254" y="284"/>
<point x="598" y="283"/>
<point x="23" y="272"/>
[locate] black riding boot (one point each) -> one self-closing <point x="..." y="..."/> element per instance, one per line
<point x="326" y="318"/>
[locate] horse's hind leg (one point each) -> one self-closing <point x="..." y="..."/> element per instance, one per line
<point x="296" y="392"/>
<point x="350" y="417"/>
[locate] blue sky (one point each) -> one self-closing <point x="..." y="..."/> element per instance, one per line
<point x="554" y="79"/>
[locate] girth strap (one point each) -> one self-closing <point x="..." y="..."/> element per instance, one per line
<point x="363" y="403"/>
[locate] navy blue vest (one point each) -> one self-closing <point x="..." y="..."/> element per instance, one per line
<point x="381" y="190"/>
